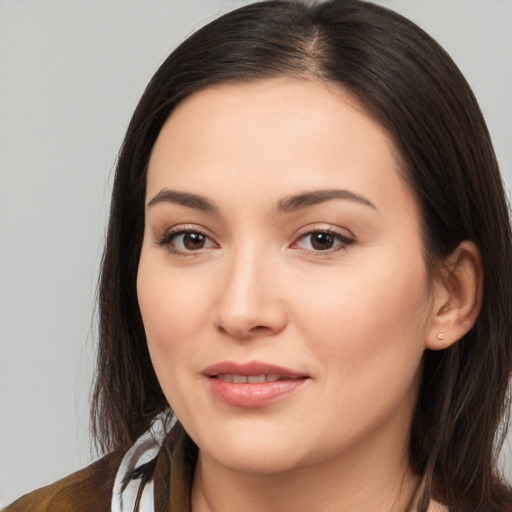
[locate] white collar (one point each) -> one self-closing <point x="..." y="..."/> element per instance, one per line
<point x="128" y="483"/>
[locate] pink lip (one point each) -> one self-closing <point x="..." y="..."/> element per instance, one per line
<point x="252" y="394"/>
<point x="251" y="368"/>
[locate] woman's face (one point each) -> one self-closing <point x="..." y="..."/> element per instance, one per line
<point x="282" y="282"/>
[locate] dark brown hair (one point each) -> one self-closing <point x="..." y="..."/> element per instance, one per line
<point x="410" y="85"/>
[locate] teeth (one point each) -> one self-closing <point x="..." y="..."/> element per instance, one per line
<point x="255" y="378"/>
<point x="244" y="379"/>
<point x="226" y="377"/>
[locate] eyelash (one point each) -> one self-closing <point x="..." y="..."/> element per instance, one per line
<point x="343" y="241"/>
<point x="168" y="238"/>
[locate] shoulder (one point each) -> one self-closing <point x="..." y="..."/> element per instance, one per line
<point x="86" y="490"/>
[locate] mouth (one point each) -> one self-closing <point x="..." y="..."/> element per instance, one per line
<point x="253" y="384"/>
<point x="249" y="379"/>
<point x="263" y="372"/>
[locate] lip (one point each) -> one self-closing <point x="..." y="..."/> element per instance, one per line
<point x="284" y="381"/>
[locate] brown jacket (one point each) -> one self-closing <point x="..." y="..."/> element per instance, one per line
<point x="87" y="490"/>
<point x="90" y="489"/>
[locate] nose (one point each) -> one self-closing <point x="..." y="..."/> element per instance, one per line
<point x="249" y="303"/>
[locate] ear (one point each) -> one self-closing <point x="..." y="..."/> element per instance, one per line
<point x="457" y="296"/>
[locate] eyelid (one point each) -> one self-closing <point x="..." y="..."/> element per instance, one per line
<point x="166" y="238"/>
<point x="345" y="239"/>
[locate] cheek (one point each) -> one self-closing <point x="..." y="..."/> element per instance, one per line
<point x="172" y="302"/>
<point x="370" y="321"/>
<point x="368" y="334"/>
<point x="174" y="312"/>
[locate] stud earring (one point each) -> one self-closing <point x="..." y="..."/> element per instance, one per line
<point x="440" y="336"/>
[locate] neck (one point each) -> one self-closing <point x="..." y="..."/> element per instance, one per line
<point x="379" y="480"/>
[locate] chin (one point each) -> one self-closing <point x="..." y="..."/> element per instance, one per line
<point x="256" y="462"/>
<point x="253" y="454"/>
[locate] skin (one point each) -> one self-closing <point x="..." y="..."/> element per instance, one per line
<point x="354" y="317"/>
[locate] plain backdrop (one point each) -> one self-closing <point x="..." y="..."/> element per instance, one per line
<point x="71" y="73"/>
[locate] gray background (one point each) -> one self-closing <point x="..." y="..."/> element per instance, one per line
<point x="71" y="73"/>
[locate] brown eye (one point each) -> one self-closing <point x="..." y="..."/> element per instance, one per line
<point x="193" y="241"/>
<point x="323" y="241"/>
<point x="186" y="241"/>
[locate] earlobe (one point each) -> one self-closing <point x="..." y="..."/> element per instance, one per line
<point x="458" y="296"/>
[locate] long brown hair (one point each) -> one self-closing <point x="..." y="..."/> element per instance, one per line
<point x="409" y="84"/>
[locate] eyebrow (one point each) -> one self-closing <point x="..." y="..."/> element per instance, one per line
<point x="184" y="199"/>
<point x="286" y="205"/>
<point x="307" y="199"/>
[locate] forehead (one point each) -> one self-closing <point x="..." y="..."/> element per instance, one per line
<point x="271" y="136"/>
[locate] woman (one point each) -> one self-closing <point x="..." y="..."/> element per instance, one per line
<point x="308" y="262"/>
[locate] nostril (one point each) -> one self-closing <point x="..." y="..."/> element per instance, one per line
<point x="241" y="333"/>
<point x="260" y="328"/>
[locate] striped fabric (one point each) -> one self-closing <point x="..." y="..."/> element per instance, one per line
<point x="133" y="485"/>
